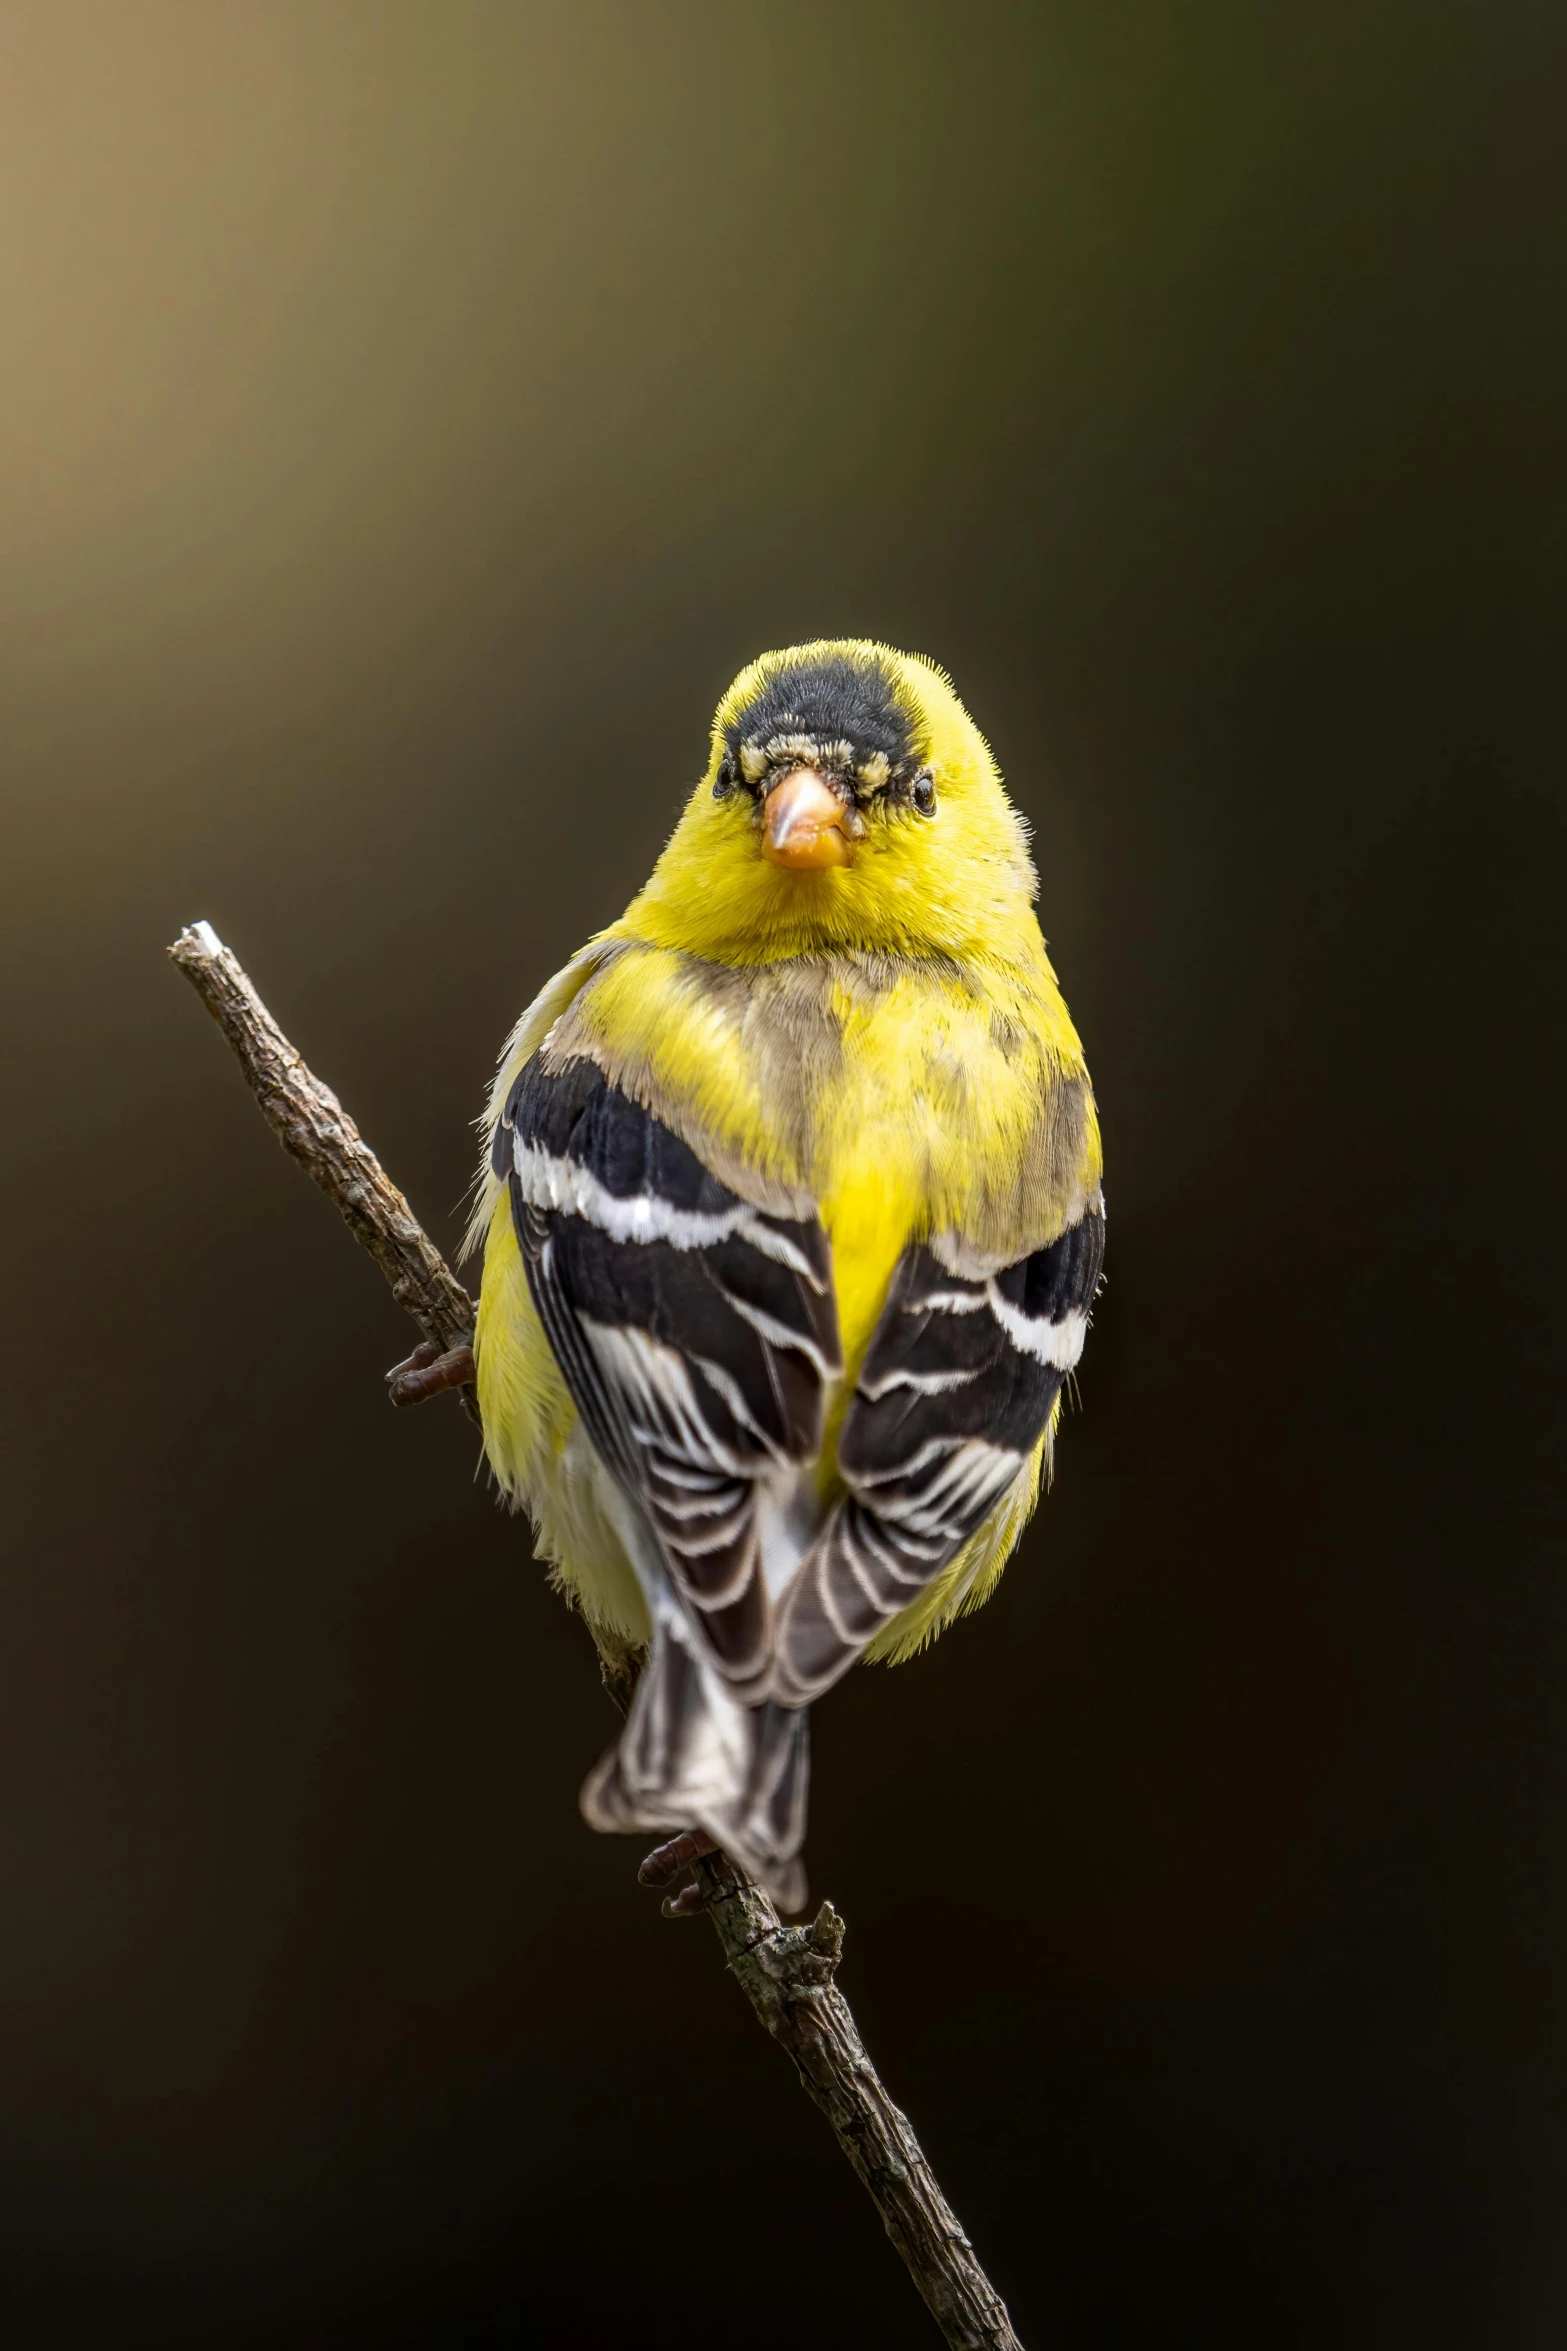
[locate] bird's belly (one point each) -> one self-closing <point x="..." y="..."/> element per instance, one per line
<point x="870" y="1217"/>
<point x="872" y="1206"/>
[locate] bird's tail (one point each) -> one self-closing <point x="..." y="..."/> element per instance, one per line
<point x="693" y="1755"/>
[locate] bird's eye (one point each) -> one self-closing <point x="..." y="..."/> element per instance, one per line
<point x="923" y="792"/>
<point x="725" y="782"/>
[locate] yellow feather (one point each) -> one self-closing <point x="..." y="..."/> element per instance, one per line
<point x="536" y="1447"/>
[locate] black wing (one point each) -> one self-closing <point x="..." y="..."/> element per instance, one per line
<point x="697" y="1333"/>
<point x="956" y="1390"/>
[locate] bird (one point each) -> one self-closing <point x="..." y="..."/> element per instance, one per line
<point x="792" y="1218"/>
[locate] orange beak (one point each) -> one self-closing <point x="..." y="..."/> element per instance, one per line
<point x="802" y="823"/>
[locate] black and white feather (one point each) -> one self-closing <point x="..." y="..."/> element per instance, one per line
<point x="698" y="1336"/>
<point x="956" y="1391"/>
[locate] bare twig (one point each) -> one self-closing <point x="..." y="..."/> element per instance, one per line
<point x="311" y="1123"/>
<point x="787" y="1973"/>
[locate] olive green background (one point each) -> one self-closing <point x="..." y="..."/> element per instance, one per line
<point x="410" y="418"/>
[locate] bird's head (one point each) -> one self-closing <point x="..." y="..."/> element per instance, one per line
<point x="849" y="801"/>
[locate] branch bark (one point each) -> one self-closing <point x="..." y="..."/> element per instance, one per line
<point x="787" y="1973"/>
<point x="789" y="1976"/>
<point x="312" y="1125"/>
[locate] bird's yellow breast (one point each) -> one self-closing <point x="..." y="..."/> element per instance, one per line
<point x="896" y="1099"/>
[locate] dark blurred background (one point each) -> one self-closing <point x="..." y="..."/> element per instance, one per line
<point x="411" y="417"/>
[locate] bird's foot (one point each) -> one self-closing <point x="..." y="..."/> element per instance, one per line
<point x="667" y="1861"/>
<point x="427" y="1371"/>
<point x="687" y="1903"/>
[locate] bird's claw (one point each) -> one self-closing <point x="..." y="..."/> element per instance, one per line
<point x="686" y="1903"/>
<point x="666" y="1862"/>
<point x="427" y="1371"/>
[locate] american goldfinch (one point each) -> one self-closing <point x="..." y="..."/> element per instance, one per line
<point x="792" y="1220"/>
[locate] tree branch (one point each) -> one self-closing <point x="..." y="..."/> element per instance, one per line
<point x="312" y="1125"/>
<point x="789" y="1976"/>
<point x="787" y="1973"/>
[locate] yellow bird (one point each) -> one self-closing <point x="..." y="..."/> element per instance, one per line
<point x="792" y="1220"/>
